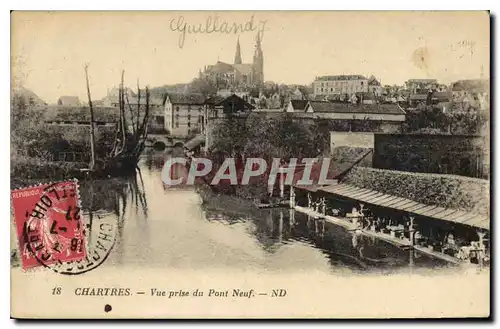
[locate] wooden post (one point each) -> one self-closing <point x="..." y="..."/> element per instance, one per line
<point x="282" y="185"/>
<point x="205" y="125"/>
<point x="292" y="197"/>
<point x="481" y="248"/>
<point x="270" y="221"/>
<point x="92" y="137"/>
<point x="138" y="108"/>
<point x="412" y="232"/>
<point x="361" y="219"/>
<point x="280" y="227"/>
<point x="292" y="217"/>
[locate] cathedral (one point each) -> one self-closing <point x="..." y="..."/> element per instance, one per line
<point x="226" y="75"/>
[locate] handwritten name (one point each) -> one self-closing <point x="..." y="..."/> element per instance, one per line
<point x="212" y="24"/>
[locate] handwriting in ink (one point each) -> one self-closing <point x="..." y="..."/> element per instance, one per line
<point x="214" y="25"/>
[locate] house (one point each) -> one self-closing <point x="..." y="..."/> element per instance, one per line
<point x="374" y="86"/>
<point x="474" y="93"/>
<point x="80" y="116"/>
<point x="340" y="84"/>
<point x="184" y="113"/>
<point x="392" y="113"/>
<point x="431" y="98"/>
<point x="217" y="107"/>
<point x="441" y="96"/>
<point x="228" y="92"/>
<point x="398" y="99"/>
<point x="274" y="101"/>
<point x="416" y="99"/>
<point x="72" y="123"/>
<point x="261" y="101"/>
<point x="68" y="101"/>
<point x="156" y="110"/>
<point x="296" y="94"/>
<point x="213" y="111"/>
<point x="234" y="105"/>
<point x="296" y="105"/>
<point x="368" y="98"/>
<point x="319" y="98"/>
<point x="418" y="86"/>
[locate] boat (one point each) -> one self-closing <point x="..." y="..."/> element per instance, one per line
<point x="129" y="141"/>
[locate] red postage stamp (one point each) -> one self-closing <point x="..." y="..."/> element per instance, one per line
<point x="49" y="224"/>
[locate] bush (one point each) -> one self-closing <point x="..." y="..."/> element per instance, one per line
<point x="33" y="168"/>
<point x="266" y="137"/>
<point x="456" y="123"/>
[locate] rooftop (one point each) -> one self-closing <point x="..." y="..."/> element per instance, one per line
<point x="340" y="77"/>
<point x="299" y="104"/>
<point x="133" y="100"/>
<point x="80" y="114"/>
<point x="319" y="106"/>
<point x="221" y="67"/>
<point x="422" y="80"/>
<point x="473" y="85"/>
<point x="68" y="100"/>
<point x="190" y="99"/>
<point x="436" y="95"/>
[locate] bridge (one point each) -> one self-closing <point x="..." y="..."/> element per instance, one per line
<point x="161" y="141"/>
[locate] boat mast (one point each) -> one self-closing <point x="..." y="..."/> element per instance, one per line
<point x="122" y="113"/>
<point x="92" y="137"/>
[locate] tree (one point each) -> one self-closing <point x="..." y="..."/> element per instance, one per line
<point x="202" y="86"/>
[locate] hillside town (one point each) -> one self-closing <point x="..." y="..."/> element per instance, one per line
<point x="403" y="156"/>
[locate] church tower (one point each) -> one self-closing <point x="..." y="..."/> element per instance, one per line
<point x="258" y="62"/>
<point x="237" y="56"/>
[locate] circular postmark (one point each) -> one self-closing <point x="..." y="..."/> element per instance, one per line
<point x="59" y="237"/>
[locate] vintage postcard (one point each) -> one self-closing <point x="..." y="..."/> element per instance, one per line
<point x="265" y="164"/>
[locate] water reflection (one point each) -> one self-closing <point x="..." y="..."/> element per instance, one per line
<point x="195" y="228"/>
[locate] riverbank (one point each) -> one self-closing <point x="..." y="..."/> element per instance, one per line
<point x="27" y="169"/>
<point x="30" y="168"/>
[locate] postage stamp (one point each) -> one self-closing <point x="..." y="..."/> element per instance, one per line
<point x="50" y="228"/>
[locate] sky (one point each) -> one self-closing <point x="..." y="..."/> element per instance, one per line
<point x="49" y="49"/>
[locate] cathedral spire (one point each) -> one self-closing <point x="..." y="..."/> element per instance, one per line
<point x="258" y="62"/>
<point x="237" y="56"/>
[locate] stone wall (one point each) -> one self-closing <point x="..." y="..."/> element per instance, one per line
<point x="444" y="154"/>
<point x="352" y="139"/>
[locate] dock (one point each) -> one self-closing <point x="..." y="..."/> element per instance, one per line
<point x="398" y="242"/>
<point x="402" y="243"/>
<point x="331" y="219"/>
<point x="439" y="255"/>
